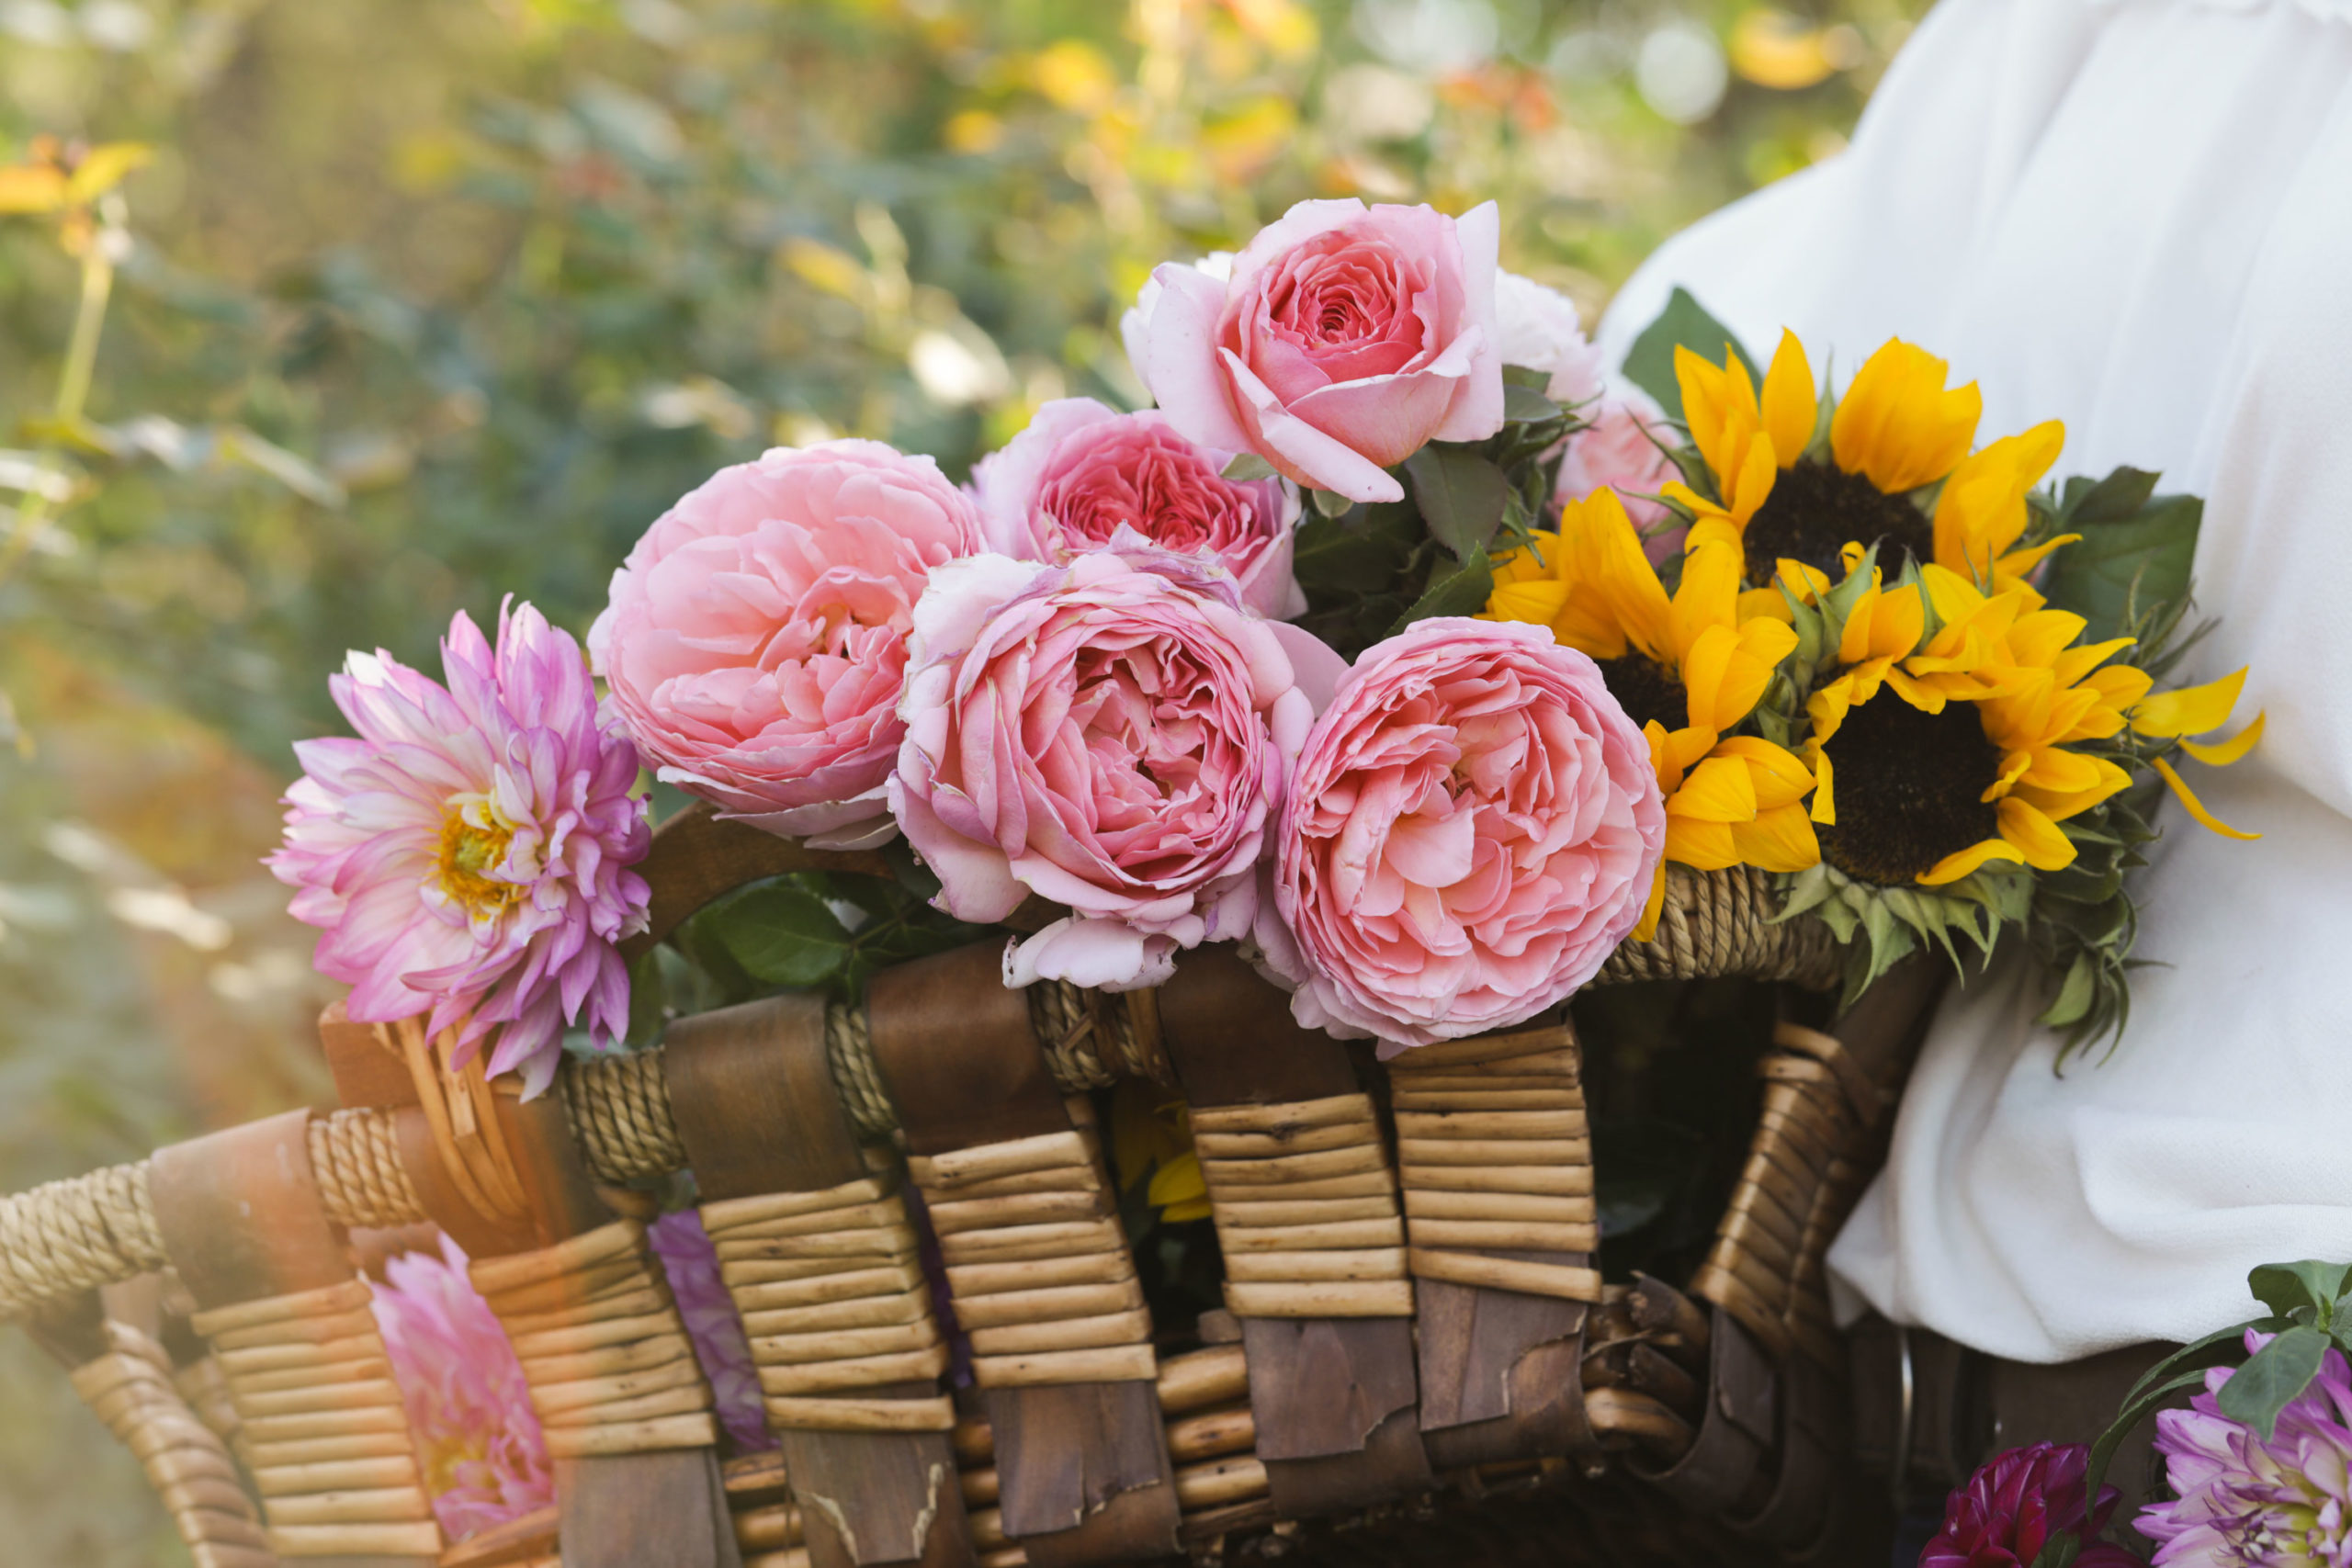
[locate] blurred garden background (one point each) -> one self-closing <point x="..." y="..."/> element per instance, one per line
<point x="322" y="319"/>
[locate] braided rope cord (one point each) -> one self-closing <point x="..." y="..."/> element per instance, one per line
<point x="71" y="1236"/>
<point x="1720" y="923"/>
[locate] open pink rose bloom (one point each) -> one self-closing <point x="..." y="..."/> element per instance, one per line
<point x="1114" y="735"/>
<point x="756" y="637"/>
<point x="1082" y="471"/>
<point x="1472" y="829"/>
<point x="1346" y="338"/>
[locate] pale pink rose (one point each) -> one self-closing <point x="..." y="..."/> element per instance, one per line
<point x="1346" y="338"/>
<point x="755" y="640"/>
<point x="1471" y="829"/>
<point x="1114" y="735"/>
<point x="1538" y="328"/>
<point x="1082" y="471"/>
<point x="1621" y="451"/>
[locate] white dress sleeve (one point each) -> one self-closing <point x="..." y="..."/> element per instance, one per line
<point x="2135" y="216"/>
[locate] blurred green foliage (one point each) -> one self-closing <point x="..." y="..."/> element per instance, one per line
<point x="416" y="303"/>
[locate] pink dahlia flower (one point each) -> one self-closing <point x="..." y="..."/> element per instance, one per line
<point x="1471" y="829"/>
<point x="2010" y="1508"/>
<point x="1081" y="472"/>
<point x="691" y="1263"/>
<point x="1345" y="338"/>
<point x="756" y="639"/>
<point x="469" y="852"/>
<point x="469" y="1411"/>
<point x="1112" y="734"/>
<point x="2240" y="1500"/>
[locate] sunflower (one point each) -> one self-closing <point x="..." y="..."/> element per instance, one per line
<point x="1793" y="485"/>
<point x="1687" y="669"/>
<point x="1939" y="753"/>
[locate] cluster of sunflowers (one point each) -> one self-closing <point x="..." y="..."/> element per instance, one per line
<point x="1849" y="676"/>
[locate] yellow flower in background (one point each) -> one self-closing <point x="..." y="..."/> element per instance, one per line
<point x="1686" y="669"/>
<point x="1151" y="1138"/>
<point x="1896" y="430"/>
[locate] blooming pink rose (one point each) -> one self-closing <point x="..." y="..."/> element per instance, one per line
<point x="1471" y="829"/>
<point x="1621" y="452"/>
<point x="1112" y="734"/>
<point x="1346" y="338"/>
<point x="1082" y="471"/>
<point x="755" y="640"/>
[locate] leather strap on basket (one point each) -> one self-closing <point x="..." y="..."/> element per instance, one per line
<point x="291" y="1325"/>
<point x="1307" y="1217"/>
<point x="1498" y="1203"/>
<point x="1038" y="1268"/>
<point x="817" y="1249"/>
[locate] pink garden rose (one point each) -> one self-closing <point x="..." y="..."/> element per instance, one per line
<point x="1345" y="338"/>
<point x="1112" y="734"/>
<point x="466" y="854"/>
<point x="1621" y="452"/>
<point x="755" y="640"/>
<point x="1472" y="827"/>
<point x="1082" y="471"/>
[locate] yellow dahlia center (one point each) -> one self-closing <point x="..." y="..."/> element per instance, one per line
<point x="469" y="851"/>
<point x="1816" y="508"/>
<point x="1910" y="789"/>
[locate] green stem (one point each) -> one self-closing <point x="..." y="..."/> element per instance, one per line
<point x="73" y="395"/>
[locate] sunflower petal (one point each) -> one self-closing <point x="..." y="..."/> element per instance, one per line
<point x="1646" y="928"/>
<point x="1960" y="862"/>
<point x="1701" y="846"/>
<point x="2191" y="710"/>
<point x="1825" y="797"/>
<point x="1780" y="839"/>
<point x="1790" y="403"/>
<point x="1718" y="790"/>
<point x="1897" y="426"/>
<point x="2221" y="754"/>
<point x="2193" y="805"/>
<point x="2034" y="835"/>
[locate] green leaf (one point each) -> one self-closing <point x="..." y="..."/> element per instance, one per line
<point x="1248" y="466"/>
<point x="2284" y="1287"/>
<point x="1461" y="495"/>
<point x="1462" y="592"/>
<point x="2258" y="1390"/>
<point x="1684" y="322"/>
<point x="2111" y="500"/>
<point x="785" y="935"/>
<point x="649" y="998"/>
<point x="2124" y="569"/>
<point x="1356" y="553"/>
<point x="2075" y="996"/>
<point x="1527" y="405"/>
<point x="1526" y="376"/>
<point x="1329" y="503"/>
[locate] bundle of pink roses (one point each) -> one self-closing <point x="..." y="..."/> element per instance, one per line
<point x="1093" y="678"/>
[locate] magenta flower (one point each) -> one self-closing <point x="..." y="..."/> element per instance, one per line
<point x="468" y="852"/>
<point x="2240" y="1500"/>
<point x="2012" y="1507"/>
<point x="477" y="1438"/>
<point x="714" y="1325"/>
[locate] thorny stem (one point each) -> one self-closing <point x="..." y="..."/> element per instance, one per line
<point x="73" y="395"/>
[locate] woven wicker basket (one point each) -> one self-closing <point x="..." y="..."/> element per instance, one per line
<point x="1418" y="1355"/>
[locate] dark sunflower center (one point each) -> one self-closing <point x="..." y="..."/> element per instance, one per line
<point x="1645" y="692"/>
<point x="1816" y="508"/>
<point x="1909" y="789"/>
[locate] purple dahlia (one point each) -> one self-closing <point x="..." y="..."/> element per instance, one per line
<point x="2242" y="1501"/>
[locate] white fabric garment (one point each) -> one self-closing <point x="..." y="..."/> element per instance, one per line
<point x="2137" y="218"/>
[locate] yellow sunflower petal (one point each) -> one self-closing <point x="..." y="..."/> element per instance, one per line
<point x="1177" y="1180"/>
<point x="1803" y="584"/>
<point x="2195" y="806"/>
<point x="1718" y="790"/>
<point x="2064" y="773"/>
<point x="1707" y="597"/>
<point x="2076" y="662"/>
<point x="2119" y="686"/>
<point x="1718" y="401"/>
<point x="1701" y="846"/>
<point x="1958" y="863"/>
<point x="2034" y="835"/>
<point x="1781" y="838"/>
<point x="1765" y="603"/>
<point x="2059" y="805"/>
<point x="1536" y="602"/>
<point x="1897" y="426"/>
<point x="2191" y="710"/>
<point x="1751" y="487"/>
<point x="1825" y="796"/>
<point x="1780" y="776"/>
<point x="1790" y="403"/>
<point x="1646" y="928"/>
<point x="2221" y="754"/>
<point x="1827" y="707"/>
